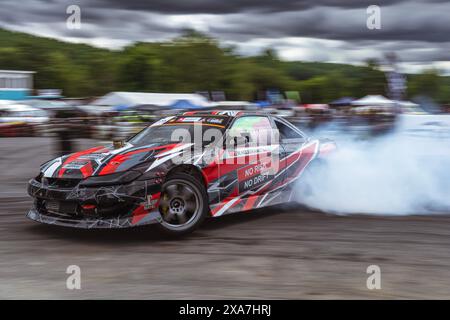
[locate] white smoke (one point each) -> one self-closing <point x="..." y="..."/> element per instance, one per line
<point x="404" y="172"/>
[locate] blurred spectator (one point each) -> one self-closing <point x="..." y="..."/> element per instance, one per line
<point x="64" y="132"/>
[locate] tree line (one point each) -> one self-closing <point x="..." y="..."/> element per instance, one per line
<point x="196" y="62"/>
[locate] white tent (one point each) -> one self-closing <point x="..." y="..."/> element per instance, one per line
<point x="6" y="102"/>
<point x="407" y="104"/>
<point x="408" y="107"/>
<point x="376" y="100"/>
<point x="235" y="105"/>
<point x="130" y="99"/>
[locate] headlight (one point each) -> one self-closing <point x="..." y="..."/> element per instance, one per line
<point x="111" y="179"/>
<point x="38" y="178"/>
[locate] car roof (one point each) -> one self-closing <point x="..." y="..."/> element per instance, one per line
<point x="229" y="113"/>
<point x="239" y="113"/>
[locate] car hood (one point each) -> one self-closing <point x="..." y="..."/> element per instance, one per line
<point x="104" y="160"/>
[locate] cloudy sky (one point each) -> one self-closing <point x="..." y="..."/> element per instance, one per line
<point x="321" y="30"/>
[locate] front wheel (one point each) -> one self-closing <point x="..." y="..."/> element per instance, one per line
<point x="183" y="204"/>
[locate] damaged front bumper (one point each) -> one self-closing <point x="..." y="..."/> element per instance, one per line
<point x="118" y="206"/>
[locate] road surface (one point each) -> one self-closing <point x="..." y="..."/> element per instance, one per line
<point x="273" y="253"/>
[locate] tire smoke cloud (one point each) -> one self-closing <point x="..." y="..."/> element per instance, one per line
<point x="404" y="172"/>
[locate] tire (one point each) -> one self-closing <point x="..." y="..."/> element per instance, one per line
<point x="183" y="205"/>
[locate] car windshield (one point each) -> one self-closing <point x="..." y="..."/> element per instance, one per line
<point x="187" y="133"/>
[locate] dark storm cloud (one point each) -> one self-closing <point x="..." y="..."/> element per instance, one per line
<point x="325" y="19"/>
<point x="417" y="29"/>
<point x="17" y="13"/>
<point x="411" y="21"/>
<point x="42" y="17"/>
<point x="232" y="6"/>
<point x="241" y="19"/>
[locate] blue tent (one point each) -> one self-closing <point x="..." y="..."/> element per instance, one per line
<point x="263" y="103"/>
<point x="121" y="108"/>
<point x="184" y="104"/>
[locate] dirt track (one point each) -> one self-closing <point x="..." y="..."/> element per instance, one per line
<point x="273" y="253"/>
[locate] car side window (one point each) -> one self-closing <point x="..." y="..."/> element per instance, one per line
<point x="255" y="130"/>
<point x="287" y="133"/>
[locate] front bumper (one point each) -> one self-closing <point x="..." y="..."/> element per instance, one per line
<point x="120" y="206"/>
<point x="90" y="223"/>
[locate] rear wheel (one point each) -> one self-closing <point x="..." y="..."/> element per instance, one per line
<point x="183" y="204"/>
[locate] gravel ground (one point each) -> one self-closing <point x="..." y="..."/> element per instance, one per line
<point x="271" y="254"/>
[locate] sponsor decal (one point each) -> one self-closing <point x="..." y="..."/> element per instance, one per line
<point x="230" y="113"/>
<point x="240" y="152"/>
<point x="93" y="156"/>
<point x="189" y="119"/>
<point x="215" y="120"/>
<point x="161" y="121"/>
<point x="254" y="175"/>
<point x="75" y="165"/>
<point x="152" y="201"/>
<point x="212" y="121"/>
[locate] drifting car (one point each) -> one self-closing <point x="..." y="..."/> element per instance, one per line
<point x="237" y="161"/>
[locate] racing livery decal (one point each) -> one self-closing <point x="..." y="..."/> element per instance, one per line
<point x="151" y="180"/>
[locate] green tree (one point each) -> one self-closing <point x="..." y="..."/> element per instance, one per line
<point x="428" y="84"/>
<point x="137" y="69"/>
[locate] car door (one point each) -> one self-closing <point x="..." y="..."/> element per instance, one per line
<point x="250" y="160"/>
<point x="297" y="149"/>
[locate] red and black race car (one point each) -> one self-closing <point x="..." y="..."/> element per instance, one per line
<point x="177" y="172"/>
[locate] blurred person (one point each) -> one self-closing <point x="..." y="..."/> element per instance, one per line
<point x="64" y="132"/>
